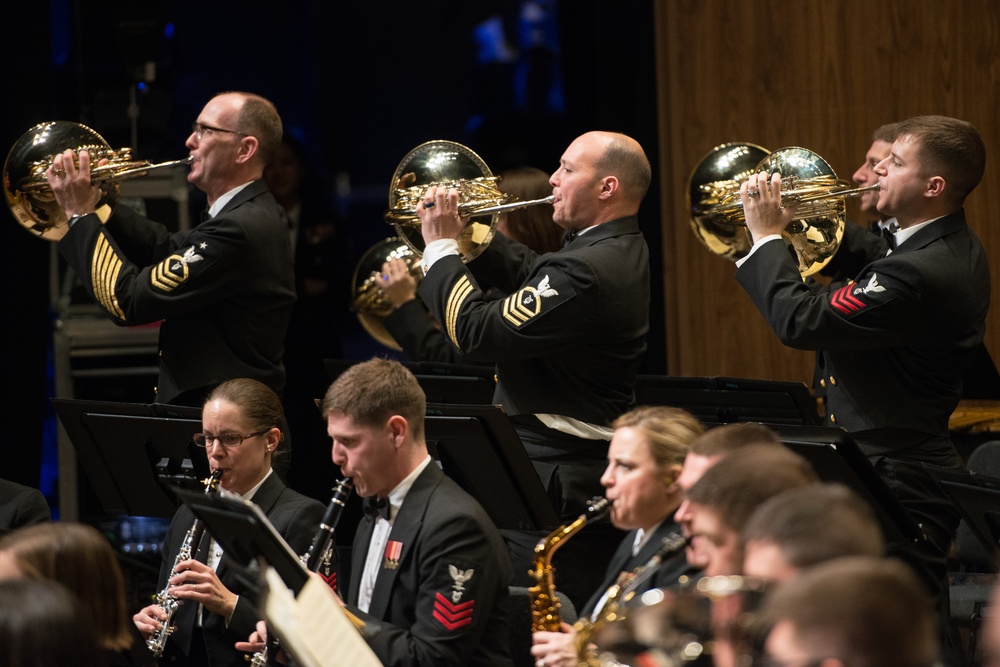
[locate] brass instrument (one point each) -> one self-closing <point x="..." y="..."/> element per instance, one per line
<point x="695" y="622"/>
<point x="368" y="301"/>
<point x="322" y="552"/>
<point x="809" y="188"/>
<point x="189" y="549"/>
<point x="451" y="165"/>
<point x="28" y="192"/>
<point x="545" y="616"/>
<point x="619" y="594"/>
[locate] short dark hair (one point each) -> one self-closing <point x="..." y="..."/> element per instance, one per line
<point x="259" y="117"/>
<point x="948" y="147"/>
<point x="864" y="611"/>
<point x="373" y="391"/>
<point x="726" y="438"/>
<point x="887" y="132"/>
<point x="816" y="523"/>
<point x="629" y="163"/>
<point x="739" y="483"/>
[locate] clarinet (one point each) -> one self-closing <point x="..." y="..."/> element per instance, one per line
<point x="322" y="550"/>
<point x="189" y="549"/>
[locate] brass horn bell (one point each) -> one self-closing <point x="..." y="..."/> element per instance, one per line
<point x="368" y="300"/>
<point x="809" y="186"/>
<point x="28" y="192"/>
<point x="452" y="165"/>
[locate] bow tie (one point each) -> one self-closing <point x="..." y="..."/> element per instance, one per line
<point x="569" y="236"/>
<point x="375" y="507"/>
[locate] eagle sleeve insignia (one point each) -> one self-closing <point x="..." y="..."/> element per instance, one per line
<point x="854" y="298"/>
<point x="173" y="271"/>
<point x="532" y="300"/>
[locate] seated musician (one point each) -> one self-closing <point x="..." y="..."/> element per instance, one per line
<point x="429" y="571"/>
<point x="644" y="463"/>
<point x="243" y="426"/>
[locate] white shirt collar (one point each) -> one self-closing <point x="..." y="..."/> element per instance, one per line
<point x="903" y="234"/>
<point x="397" y="495"/>
<point x="214" y="209"/>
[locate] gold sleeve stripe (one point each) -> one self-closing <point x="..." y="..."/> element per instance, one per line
<point x="104" y="270"/>
<point x="459" y="293"/>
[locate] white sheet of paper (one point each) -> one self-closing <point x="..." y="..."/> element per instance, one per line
<point x="313" y="627"/>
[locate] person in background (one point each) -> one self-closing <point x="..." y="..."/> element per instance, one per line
<point x="323" y="269"/>
<point x="21" y="506"/>
<point x="708" y="449"/>
<point x="855" y="611"/>
<point x="726" y="495"/>
<point x="644" y="463"/>
<point x="243" y="428"/>
<point x="81" y="559"/>
<point x="224" y="290"/>
<point x="42" y="625"/>
<point x="802" y="527"/>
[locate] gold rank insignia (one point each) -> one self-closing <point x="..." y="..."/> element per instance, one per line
<point x="173" y="271"/>
<point x="526" y="303"/>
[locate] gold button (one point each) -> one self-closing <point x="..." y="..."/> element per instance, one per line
<point x="833" y="418"/>
<point x="822" y="383"/>
<point x="833" y="381"/>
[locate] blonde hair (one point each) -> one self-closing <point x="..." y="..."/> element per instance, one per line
<point x="668" y="431"/>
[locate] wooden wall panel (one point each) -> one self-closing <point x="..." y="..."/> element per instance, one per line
<point x="816" y="74"/>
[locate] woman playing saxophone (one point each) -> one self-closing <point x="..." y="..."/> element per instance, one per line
<point x="644" y="461"/>
<point x="243" y="428"/>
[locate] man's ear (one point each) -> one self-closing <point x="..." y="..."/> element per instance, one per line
<point x="397" y="427"/>
<point x="609" y="186"/>
<point x="249" y="146"/>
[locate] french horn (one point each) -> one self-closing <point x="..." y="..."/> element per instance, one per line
<point x="451" y="165"/>
<point x="809" y="187"/>
<point x="28" y="192"/>
<point x="368" y="301"/>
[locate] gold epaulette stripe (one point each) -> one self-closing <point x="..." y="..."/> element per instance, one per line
<point x="104" y="270"/>
<point x="459" y="293"/>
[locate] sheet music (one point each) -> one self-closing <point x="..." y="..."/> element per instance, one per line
<point x="314" y="627"/>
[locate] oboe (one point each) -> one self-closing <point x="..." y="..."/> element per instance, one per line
<point x="322" y="552"/>
<point x="189" y="549"/>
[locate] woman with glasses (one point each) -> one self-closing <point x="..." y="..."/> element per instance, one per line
<point x="243" y="426"/>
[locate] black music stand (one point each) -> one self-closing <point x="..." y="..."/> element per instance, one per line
<point x="245" y="533"/>
<point x="133" y="453"/>
<point x="463" y="384"/>
<point x="477" y="446"/>
<point x="977" y="499"/>
<point x="726" y="400"/>
<point x="837" y="458"/>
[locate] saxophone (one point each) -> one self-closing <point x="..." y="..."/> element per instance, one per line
<point x="189" y="549"/>
<point x="545" y="605"/>
<point x="619" y="594"/>
<point x="322" y="554"/>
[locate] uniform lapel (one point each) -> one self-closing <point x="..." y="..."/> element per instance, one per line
<point x="405" y="529"/>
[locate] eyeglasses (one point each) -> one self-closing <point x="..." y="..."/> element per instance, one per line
<point x="199" y="130"/>
<point x="227" y="439"/>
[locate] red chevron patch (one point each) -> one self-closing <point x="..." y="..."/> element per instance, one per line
<point x="453" y="616"/>
<point x="331" y="580"/>
<point x="845" y="302"/>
